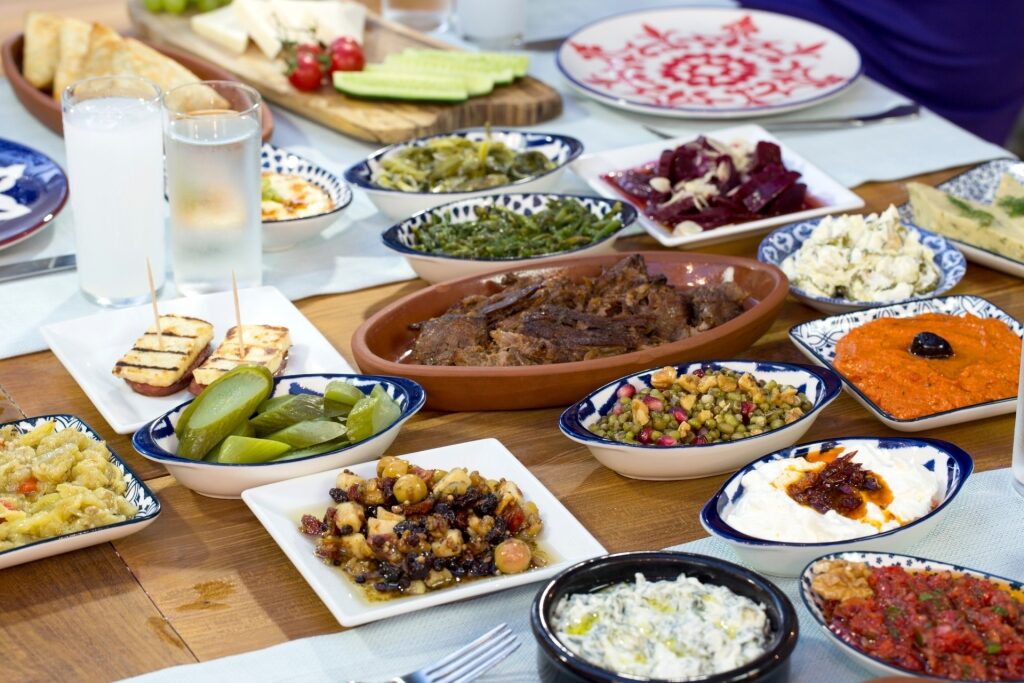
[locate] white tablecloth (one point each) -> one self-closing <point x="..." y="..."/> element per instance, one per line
<point x="974" y="533"/>
<point x="349" y="255"/>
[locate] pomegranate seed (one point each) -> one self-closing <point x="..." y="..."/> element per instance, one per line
<point x="703" y="431"/>
<point x="654" y="404"/>
<point x="700" y="441"/>
<point x="746" y="408"/>
<point x="680" y="415"/>
<point x="617" y="410"/>
<point x="666" y="440"/>
<point x="699" y="372"/>
<point x="626" y="391"/>
<point x="645" y="434"/>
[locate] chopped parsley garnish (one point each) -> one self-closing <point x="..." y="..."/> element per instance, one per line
<point x="925" y="596"/>
<point x="1000" y="610"/>
<point x="983" y="217"/>
<point x="993" y="648"/>
<point x="1013" y="205"/>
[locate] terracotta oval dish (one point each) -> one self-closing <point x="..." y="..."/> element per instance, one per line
<point x="47" y="110"/>
<point x="386" y="337"/>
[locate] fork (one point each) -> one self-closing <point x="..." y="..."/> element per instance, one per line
<point x="898" y="113"/>
<point x="468" y="662"/>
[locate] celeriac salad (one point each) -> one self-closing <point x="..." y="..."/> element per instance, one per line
<point x="863" y="258"/>
<point x="672" y="630"/>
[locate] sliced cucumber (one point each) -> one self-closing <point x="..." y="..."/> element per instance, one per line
<point x="244" y="449"/>
<point x="298" y="408"/>
<point x="476" y="83"/>
<point x="498" y="73"/>
<point x="517" y="64"/>
<point x="311" y="433"/>
<point x="400" y="86"/>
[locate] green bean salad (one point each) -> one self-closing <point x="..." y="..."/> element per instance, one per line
<point x="698" y="408"/>
<point x="564" y="224"/>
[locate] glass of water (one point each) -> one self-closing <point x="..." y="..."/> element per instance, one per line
<point x="212" y="143"/>
<point x="492" y="24"/>
<point x="114" y="145"/>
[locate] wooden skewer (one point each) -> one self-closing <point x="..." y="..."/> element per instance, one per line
<point x="238" y="317"/>
<point x="156" y="311"/>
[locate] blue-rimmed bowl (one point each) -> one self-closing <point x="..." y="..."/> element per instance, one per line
<point x="437" y="266"/>
<point x="950" y="464"/>
<point x="282" y="234"/>
<point x="156" y="441"/>
<point x="648" y="461"/>
<point x="780" y="244"/>
<point x="33" y="190"/>
<point x="136" y="492"/>
<point x="815" y="604"/>
<point x="817" y="339"/>
<point x="397" y="204"/>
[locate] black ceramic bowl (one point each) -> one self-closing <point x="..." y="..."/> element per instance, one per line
<point x="555" y="662"/>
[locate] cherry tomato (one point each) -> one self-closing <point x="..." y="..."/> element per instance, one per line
<point x="311" y="49"/>
<point x="346" y="55"/>
<point x="306" y="76"/>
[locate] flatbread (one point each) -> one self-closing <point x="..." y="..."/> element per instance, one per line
<point x="74" y="43"/>
<point x="42" y="48"/>
<point x="104" y="44"/>
<point x="141" y="60"/>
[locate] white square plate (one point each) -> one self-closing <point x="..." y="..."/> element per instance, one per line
<point x="280" y="506"/>
<point x="817" y="339"/>
<point x="833" y="196"/>
<point x="88" y="347"/>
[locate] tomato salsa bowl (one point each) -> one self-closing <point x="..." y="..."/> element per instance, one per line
<point x="982" y="644"/>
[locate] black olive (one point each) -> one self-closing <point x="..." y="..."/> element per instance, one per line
<point x="930" y="345"/>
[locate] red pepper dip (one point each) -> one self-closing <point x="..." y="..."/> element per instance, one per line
<point x="940" y="623"/>
<point x="876" y="357"/>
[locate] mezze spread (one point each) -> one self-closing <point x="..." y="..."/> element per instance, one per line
<point x="877" y="358"/>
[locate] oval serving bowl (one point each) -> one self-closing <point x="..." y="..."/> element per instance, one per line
<point x="136" y="492"/>
<point x="780" y="558"/>
<point x="780" y="244"/>
<point x="878" y="666"/>
<point x="384" y="339"/>
<point x="156" y="441"/>
<point x="397" y="204"/>
<point x="437" y="266"/>
<point x="47" y="110"/>
<point x="282" y="234"/>
<point x="648" y="461"/>
<point x="556" y="662"/>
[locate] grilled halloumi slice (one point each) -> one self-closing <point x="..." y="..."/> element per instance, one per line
<point x="265" y="345"/>
<point x="183" y="339"/>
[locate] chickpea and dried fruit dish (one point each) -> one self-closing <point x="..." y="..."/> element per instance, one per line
<point x="411" y="530"/>
<point x="699" y="408"/>
<point x="54" y="483"/>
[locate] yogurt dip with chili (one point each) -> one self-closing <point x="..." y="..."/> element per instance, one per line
<point x="835" y="496"/>
<point x="984" y="366"/>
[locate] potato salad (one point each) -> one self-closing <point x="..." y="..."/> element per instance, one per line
<point x="672" y="630"/>
<point x="863" y="258"/>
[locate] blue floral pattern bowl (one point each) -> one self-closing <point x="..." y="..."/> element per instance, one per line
<point x="156" y="441"/>
<point x="817" y="339"/>
<point x="780" y="244"/>
<point x="435" y="266"/>
<point x="788" y="559"/>
<point x="282" y="234"/>
<point x="136" y="492"/>
<point x="396" y="204"/>
<point x="646" y="461"/>
<point x="33" y="190"/>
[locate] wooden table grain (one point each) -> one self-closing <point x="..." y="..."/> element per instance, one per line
<point x="205" y="580"/>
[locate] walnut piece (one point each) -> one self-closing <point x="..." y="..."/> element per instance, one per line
<point x="841" y="580"/>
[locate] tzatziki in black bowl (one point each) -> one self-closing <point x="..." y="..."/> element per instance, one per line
<point x="671" y="616"/>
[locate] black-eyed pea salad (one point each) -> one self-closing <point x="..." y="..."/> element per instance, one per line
<point x="701" y="407"/>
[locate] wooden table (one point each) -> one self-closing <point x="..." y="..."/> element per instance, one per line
<point x="205" y="580"/>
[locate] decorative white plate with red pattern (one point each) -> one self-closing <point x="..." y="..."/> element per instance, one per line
<point x="708" y="63"/>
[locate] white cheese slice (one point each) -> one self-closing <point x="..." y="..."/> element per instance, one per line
<point x="257" y="17"/>
<point x="222" y="27"/>
<point x="270" y="23"/>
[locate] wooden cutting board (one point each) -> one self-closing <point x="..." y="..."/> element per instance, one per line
<point x="525" y="102"/>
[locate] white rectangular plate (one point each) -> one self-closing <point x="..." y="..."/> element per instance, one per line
<point x="979" y="184"/>
<point x="834" y="197"/>
<point x="817" y="339"/>
<point x="279" y="507"/>
<point x="88" y="347"/>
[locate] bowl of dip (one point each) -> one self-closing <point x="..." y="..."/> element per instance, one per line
<point x="851" y="262"/>
<point x="576" y="617"/>
<point x="780" y="512"/>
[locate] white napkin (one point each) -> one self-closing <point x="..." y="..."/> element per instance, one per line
<point x="986" y="512"/>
